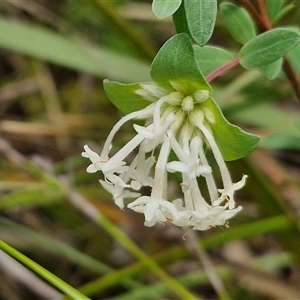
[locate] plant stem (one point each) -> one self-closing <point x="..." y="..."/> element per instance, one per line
<point x="90" y="211"/>
<point x="210" y="77"/>
<point x="264" y="14"/>
<point x="258" y="20"/>
<point x="193" y="244"/>
<point x="263" y="23"/>
<point x="292" y="77"/>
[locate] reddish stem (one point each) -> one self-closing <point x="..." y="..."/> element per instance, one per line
<point x="258" y="19"/>
<point x="292" y="77"/>
<point x="264" y="14"/>
<point x="263" y="23"/>
<point x="210" y="77"/>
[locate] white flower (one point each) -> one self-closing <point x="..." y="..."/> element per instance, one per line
<point x="191" y="165"/>
<point x="155" y="210"/>
<point x="141" y="174"/>
<point x="118" y="192"/>
<point x="95" y="159"/>
<point x="154" y="134"/>
<point x="203" y="219"/>
<point x="227" y="193"/>
<point x="177" y="125"/>
<point x="108" y="168"/>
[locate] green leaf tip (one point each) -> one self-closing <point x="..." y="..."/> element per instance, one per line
<point x="165" y="8"/>
<point x="176" y="61"/>
<point x="233" y="142"/>
<point x="201" y="18"/>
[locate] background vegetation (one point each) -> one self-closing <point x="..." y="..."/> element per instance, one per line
<point x="54" y="57"/>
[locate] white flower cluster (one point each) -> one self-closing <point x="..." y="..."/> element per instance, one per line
<point x="177" y="121"/>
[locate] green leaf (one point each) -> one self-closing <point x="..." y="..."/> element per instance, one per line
<point x="282" y="141"/>
<point x="165" y="8"/>
<point x="284" y="11"/>
<point x="267" y="116"/>
<point x="42" y="272"/>
<point x="180" y="22"/>
<point x="176" y="61"/>
<point x="53" y="47"/>
<point x="238" y="22"/>
<point x="273" y="7"/>
<point x="268" y="47"/>
<point x="53" y="246"/>
<point x="29" y="197"/>
<point x="233" y="142"/>
<point x="293" y="57"/>
<point x="201" y="17"/>
<point x="297" y="123"/>
<point x="210" y="58"/>
<point x="273" y="69"/>
<point x="123" y="96"/>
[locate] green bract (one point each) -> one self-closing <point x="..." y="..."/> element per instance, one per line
<point x="233" y="142"/>
<point x="176" y="61"/>
<point x="175" y="64"/>
<point x="123" y="96"/>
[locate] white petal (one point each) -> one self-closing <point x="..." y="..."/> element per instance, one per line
<point x="203" y="170"/>
<point x="93" y="156"/>
<point x="229" y="213"/>
<point x="129" y="194"/>
<point x="170" y="208"/>
<point x="141" y="201"/>
<point x="238" y="185"/>
<point x="116" y="191"/>
<point x="144" y="131"/>
<point x="136" y="184"/>
<point x="119" y="181"/>
<point x="177" y="166"/>
<point x="91" y="169"/>
<point x="150" y="210"/>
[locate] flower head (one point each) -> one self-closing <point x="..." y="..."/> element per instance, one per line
<point x="181" y="120"/>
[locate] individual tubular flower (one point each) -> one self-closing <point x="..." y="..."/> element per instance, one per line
<point x="180" y="120"/>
